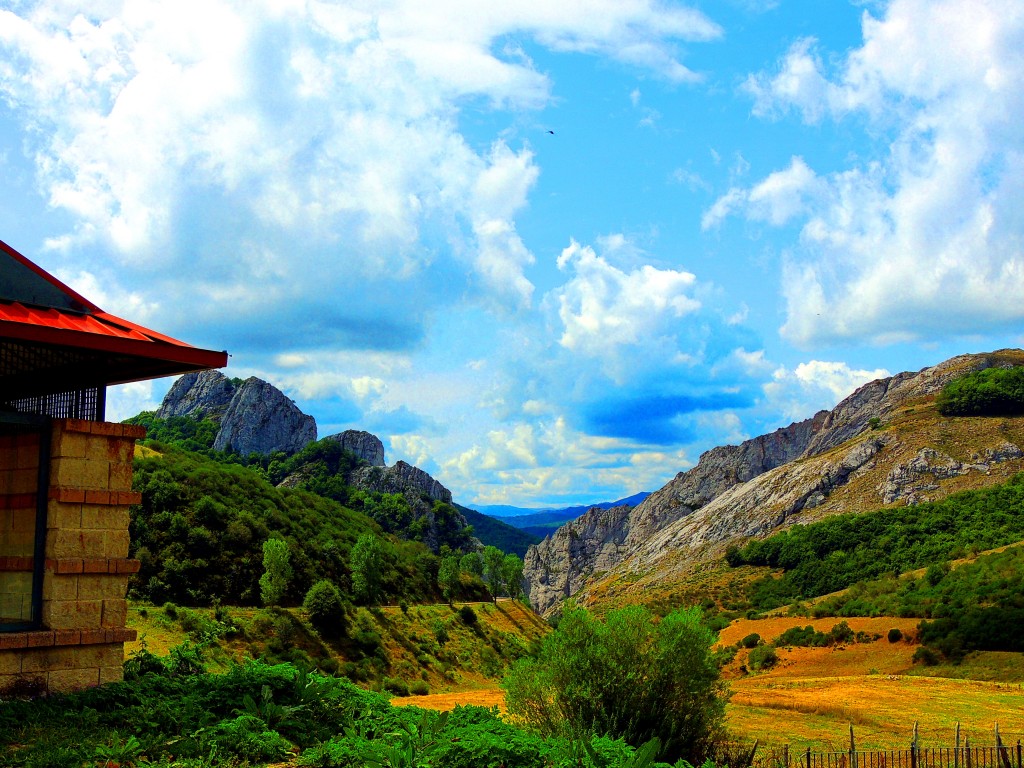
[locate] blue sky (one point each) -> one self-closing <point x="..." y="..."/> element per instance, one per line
<point x="549" y="252"/>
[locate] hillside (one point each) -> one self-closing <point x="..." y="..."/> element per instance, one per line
<point x="885" y="445"/>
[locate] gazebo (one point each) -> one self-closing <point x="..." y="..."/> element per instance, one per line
<point x="66" y="477"/>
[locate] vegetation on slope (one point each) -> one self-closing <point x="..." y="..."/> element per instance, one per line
<point x="976" y="606"/>
<point x="839" y="551"/>
<point x="989" y="392"/>
<point x="498" y="533"/>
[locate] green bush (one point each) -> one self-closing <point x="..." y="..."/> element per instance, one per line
<point x="751" y="640"/>
<point x="326" y="608"/>
<point x="395" y="686"/>
<point x="991" y="392"/>
<point x="762" y="657"/>
<point x="583" y="681"/>
<point x="895" y="635"/>
<point x="419" y="688"/>
<point x="468" y="615"/>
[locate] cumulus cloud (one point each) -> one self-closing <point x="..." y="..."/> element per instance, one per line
<point x="190" y="144"/>
<point x="602" y="307"/>
<point x="923" y="235"/>
<point x="809" y="387"/>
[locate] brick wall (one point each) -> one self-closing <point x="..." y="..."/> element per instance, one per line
<point x="86" y="572"/>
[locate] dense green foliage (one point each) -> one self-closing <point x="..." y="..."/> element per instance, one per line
<point x="629" y="676"/>
<point x="200" y="530"/>
<point x="977" y="606"/>
<point x="277" y="571"/>
<point x="839" y="551"/>
<point x="169" y="712"/>
<point x="991" y="392"/>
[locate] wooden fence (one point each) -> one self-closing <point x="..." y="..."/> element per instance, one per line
<point x="960" y="755"/>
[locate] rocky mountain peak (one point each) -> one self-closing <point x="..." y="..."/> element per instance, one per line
<point x="205" y="394"/>
<point x="262" y="419"/>
<point x="367" y="447"/>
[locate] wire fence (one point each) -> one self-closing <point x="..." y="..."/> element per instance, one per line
<point x="962" y="754"/>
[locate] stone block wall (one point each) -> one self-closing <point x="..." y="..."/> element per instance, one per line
<point x="81" y="642"/>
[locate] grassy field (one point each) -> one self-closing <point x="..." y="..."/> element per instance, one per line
<point x="813" y="695"/>
<point x="428" y="643"/>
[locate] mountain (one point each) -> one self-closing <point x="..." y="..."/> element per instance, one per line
<point x="885" y="444"/>
<point x="525" y="517"/>
<point x="253" y="416"/>
<point x="498" y="533"/>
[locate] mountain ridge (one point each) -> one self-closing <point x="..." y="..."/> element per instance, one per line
<point x="834" y="461"/>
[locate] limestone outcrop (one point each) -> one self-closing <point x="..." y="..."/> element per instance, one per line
<point x="261" y="419"/>
<point x="202" y="395"/>
<point x="367" y="447"/>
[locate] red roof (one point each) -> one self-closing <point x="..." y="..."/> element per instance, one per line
<point x="37" y="311"/>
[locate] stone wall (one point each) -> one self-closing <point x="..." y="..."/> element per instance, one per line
<point x="81" y="639"/>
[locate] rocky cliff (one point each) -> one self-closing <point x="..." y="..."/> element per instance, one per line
<point x="254" y="416"/>
<point x="261" y="419"/>
<point x="834" y="462"/>
<point x="367" y="447"/>
<point x="203" y="395"/>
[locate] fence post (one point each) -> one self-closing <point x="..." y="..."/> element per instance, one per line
<point x="1019" y="764"/>
<point x="956" y="754"/>
<point x="785" y="755"/>
<point x="808" y="757"/>
<point x="913" y="754"/>
<point x="853" y="749"/>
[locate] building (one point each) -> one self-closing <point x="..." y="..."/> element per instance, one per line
<point x="66" y="477"/>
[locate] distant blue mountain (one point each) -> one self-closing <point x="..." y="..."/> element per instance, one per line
<point x="544" y="520"/>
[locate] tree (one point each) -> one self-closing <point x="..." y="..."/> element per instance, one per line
<point x="277" y="571"/>
<point x="472" y="564"/>
<point x="326" y="607"/>
<point x="512" y="575"/>
<point x="493" y="558"/>
<point x="448" y="577"/>
<point x="367" y="562"/>
<point x="627" y="677"/>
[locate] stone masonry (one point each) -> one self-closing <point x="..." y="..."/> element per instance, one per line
<point x="81" y="640"/>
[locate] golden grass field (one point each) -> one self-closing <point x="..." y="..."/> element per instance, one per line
<point x="813" y="695"/>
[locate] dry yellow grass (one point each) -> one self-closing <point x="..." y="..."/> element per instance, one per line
<point x="813" y="695"/>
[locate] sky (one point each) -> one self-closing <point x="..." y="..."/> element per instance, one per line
<point x="548" y="252"/>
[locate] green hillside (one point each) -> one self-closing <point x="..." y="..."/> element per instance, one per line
<point x="498" y="534"/>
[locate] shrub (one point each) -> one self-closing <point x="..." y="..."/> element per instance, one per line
<point x="468" y="615"/>
<point x="894" y="635"/>
<point x="326" y="607"/>
<point x="583" y="682"/>
<point x="762" y="657"/>
<point x="419" y="688"/>
<point x="395" y="686"/>
<point x="926" y="656"/>
<point x="751" y="640"/>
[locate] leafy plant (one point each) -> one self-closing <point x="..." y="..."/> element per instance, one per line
<point x="627" y="677"/>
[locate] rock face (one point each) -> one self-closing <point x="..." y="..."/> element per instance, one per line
<point x="200" y="395"/>
<point x="561" y="564"/>
<point x="367" y="447"/>
<point x="755" y="487"/>
<point x="261" y="419"/>
<point x="401" y="478"/>
<point x="254" y="417"/>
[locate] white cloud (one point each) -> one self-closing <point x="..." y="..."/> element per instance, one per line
<point x="781" y="197"/>
<point x="602" y="307"/>
<point x="339" y="121"/>
<point x="925" y="236"/>
<point x="801" y="392"/>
